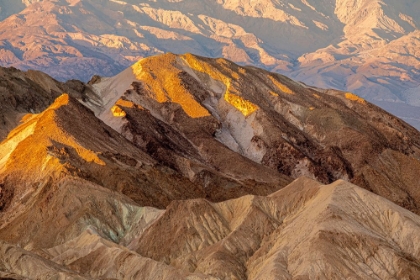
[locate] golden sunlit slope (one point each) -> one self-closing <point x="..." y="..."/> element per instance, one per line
<point x="68" y="140"/>
<point x="214" y="104"/>
<point x="30" y="92"/>
<point x="304" y="231"/>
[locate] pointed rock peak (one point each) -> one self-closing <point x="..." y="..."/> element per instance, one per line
<point x="67" y="101"/>
<point x="44" y="138"/>
<point x="62" y="100"/>
<point x="304" y="180"/>
<point x="302" y="183"/>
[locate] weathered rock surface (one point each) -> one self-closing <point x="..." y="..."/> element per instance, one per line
<point x="30" y="92"/>
<point x="68" y="140"/>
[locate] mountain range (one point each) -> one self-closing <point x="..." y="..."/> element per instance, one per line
<point x="187" y="167"/>
<point x="368" y="47"/>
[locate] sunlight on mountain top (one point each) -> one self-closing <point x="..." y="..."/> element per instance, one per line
<point x="43" y="138"/>
<point x="125" y="103"/>
<point x="166" y="85"/>
<point x="354" y="97"/>
<point x="27" y="117"/>
<point x="60" y="101"/>
<point x="208" y="69"/>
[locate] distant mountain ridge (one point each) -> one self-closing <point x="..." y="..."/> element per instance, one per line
<point x="370" y="48"/>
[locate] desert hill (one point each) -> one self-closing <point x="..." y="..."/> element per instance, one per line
<point x="306" y="230"/>
<point x="31" y="92"/>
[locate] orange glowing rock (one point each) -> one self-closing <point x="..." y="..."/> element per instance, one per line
<point x="226" y="77"/>
<point x="166" y="86"/>
<point x="60" y="101"/>
<point x="210" y="70"/>
<point x="244" y="106"/>
<point x="280" y="86"/>
<point x="125" y="103"/>
<point x="118" y="112"/>
<point x="354" y="97"/>
<point x="27" y="117"/>
<point x="41" y="131"/>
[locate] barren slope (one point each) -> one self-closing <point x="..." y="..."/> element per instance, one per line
<point x="68" y="140"/>
<point x="306" y="230"/>
<point x="177" y="171"/>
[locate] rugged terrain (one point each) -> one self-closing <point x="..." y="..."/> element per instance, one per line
<point x="181" y="167"/>
<point x="293" y="129"/>
<point x="305" y="230"/>
<point x="369" y="47"/>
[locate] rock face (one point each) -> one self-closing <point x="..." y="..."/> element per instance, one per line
<point x="368" y="47"/>
<point x="181" y="167"/>
<point x="205" y="106"/>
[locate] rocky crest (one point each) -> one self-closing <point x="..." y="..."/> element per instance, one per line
<point x="31" y="92"/>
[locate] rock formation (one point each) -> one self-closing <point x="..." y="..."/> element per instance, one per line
<point x="306" y="230"/>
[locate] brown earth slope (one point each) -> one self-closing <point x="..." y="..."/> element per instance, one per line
<point x="175" y="172"/>
<point x="370" y="47"/>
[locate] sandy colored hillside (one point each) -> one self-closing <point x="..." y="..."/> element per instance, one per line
<point x="306" y="230"/>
